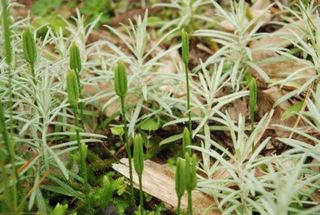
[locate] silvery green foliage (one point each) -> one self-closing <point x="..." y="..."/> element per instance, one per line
<point x="206" y="97"/>
<point x="41" y="111"/>
<point x="235" y="49"/>
<point x="303" y="179"/>
<point x="144" y="59"/>
<point x="243" y="182"/>
<point x="306" y="38"/>
<point x="188" y="11"/>
<point x="311" y="117"/>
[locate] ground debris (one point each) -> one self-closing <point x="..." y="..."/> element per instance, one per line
<point x="158" y="181"/>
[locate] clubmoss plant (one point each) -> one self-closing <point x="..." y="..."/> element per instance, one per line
<point x="121" y="88"/>
<point x="73" y="97"/>
<point x="30" y="51"/>
<point x="8" y="55"/>
<point x="191" y="178"/>
<point x="138" y="158"/>
<point x="180" y="181"/>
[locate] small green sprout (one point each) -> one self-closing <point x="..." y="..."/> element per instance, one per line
<point x="180" y="181"/>
<point x="138" y="158"/>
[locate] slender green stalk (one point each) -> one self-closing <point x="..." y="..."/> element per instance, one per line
<point x="185" y="58"/>
<point x="179" y="206"/>
<point x="188" y="97"/>
<point x="128" y="149"/>
<point x="189" y="202"/>
<point x="34" y="80"/>
<point x="83" y="165"/>
<point x="8" y="59"/>
<point x="8" y="195"/>
<point x="141" y="195"/>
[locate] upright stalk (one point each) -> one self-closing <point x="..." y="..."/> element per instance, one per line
<point x="138" y="159"/>
<point x="179" y="206"/>
<point x="128" y="148"/>
<point x="8" y="59"/>
<point x="34" y="80"/>
<point x="141" y="195"/>
<point x="188" y="97"/>
<point x="73" y="97"/>
<point x="83" y="165"/>
<point x="8" y="195"/>
<point x="121" y="88"/>
<point x="189" y="202"/>
<point x="185" y="58"/>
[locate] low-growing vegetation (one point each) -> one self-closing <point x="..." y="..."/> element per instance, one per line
<point x="223" y="95"/>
